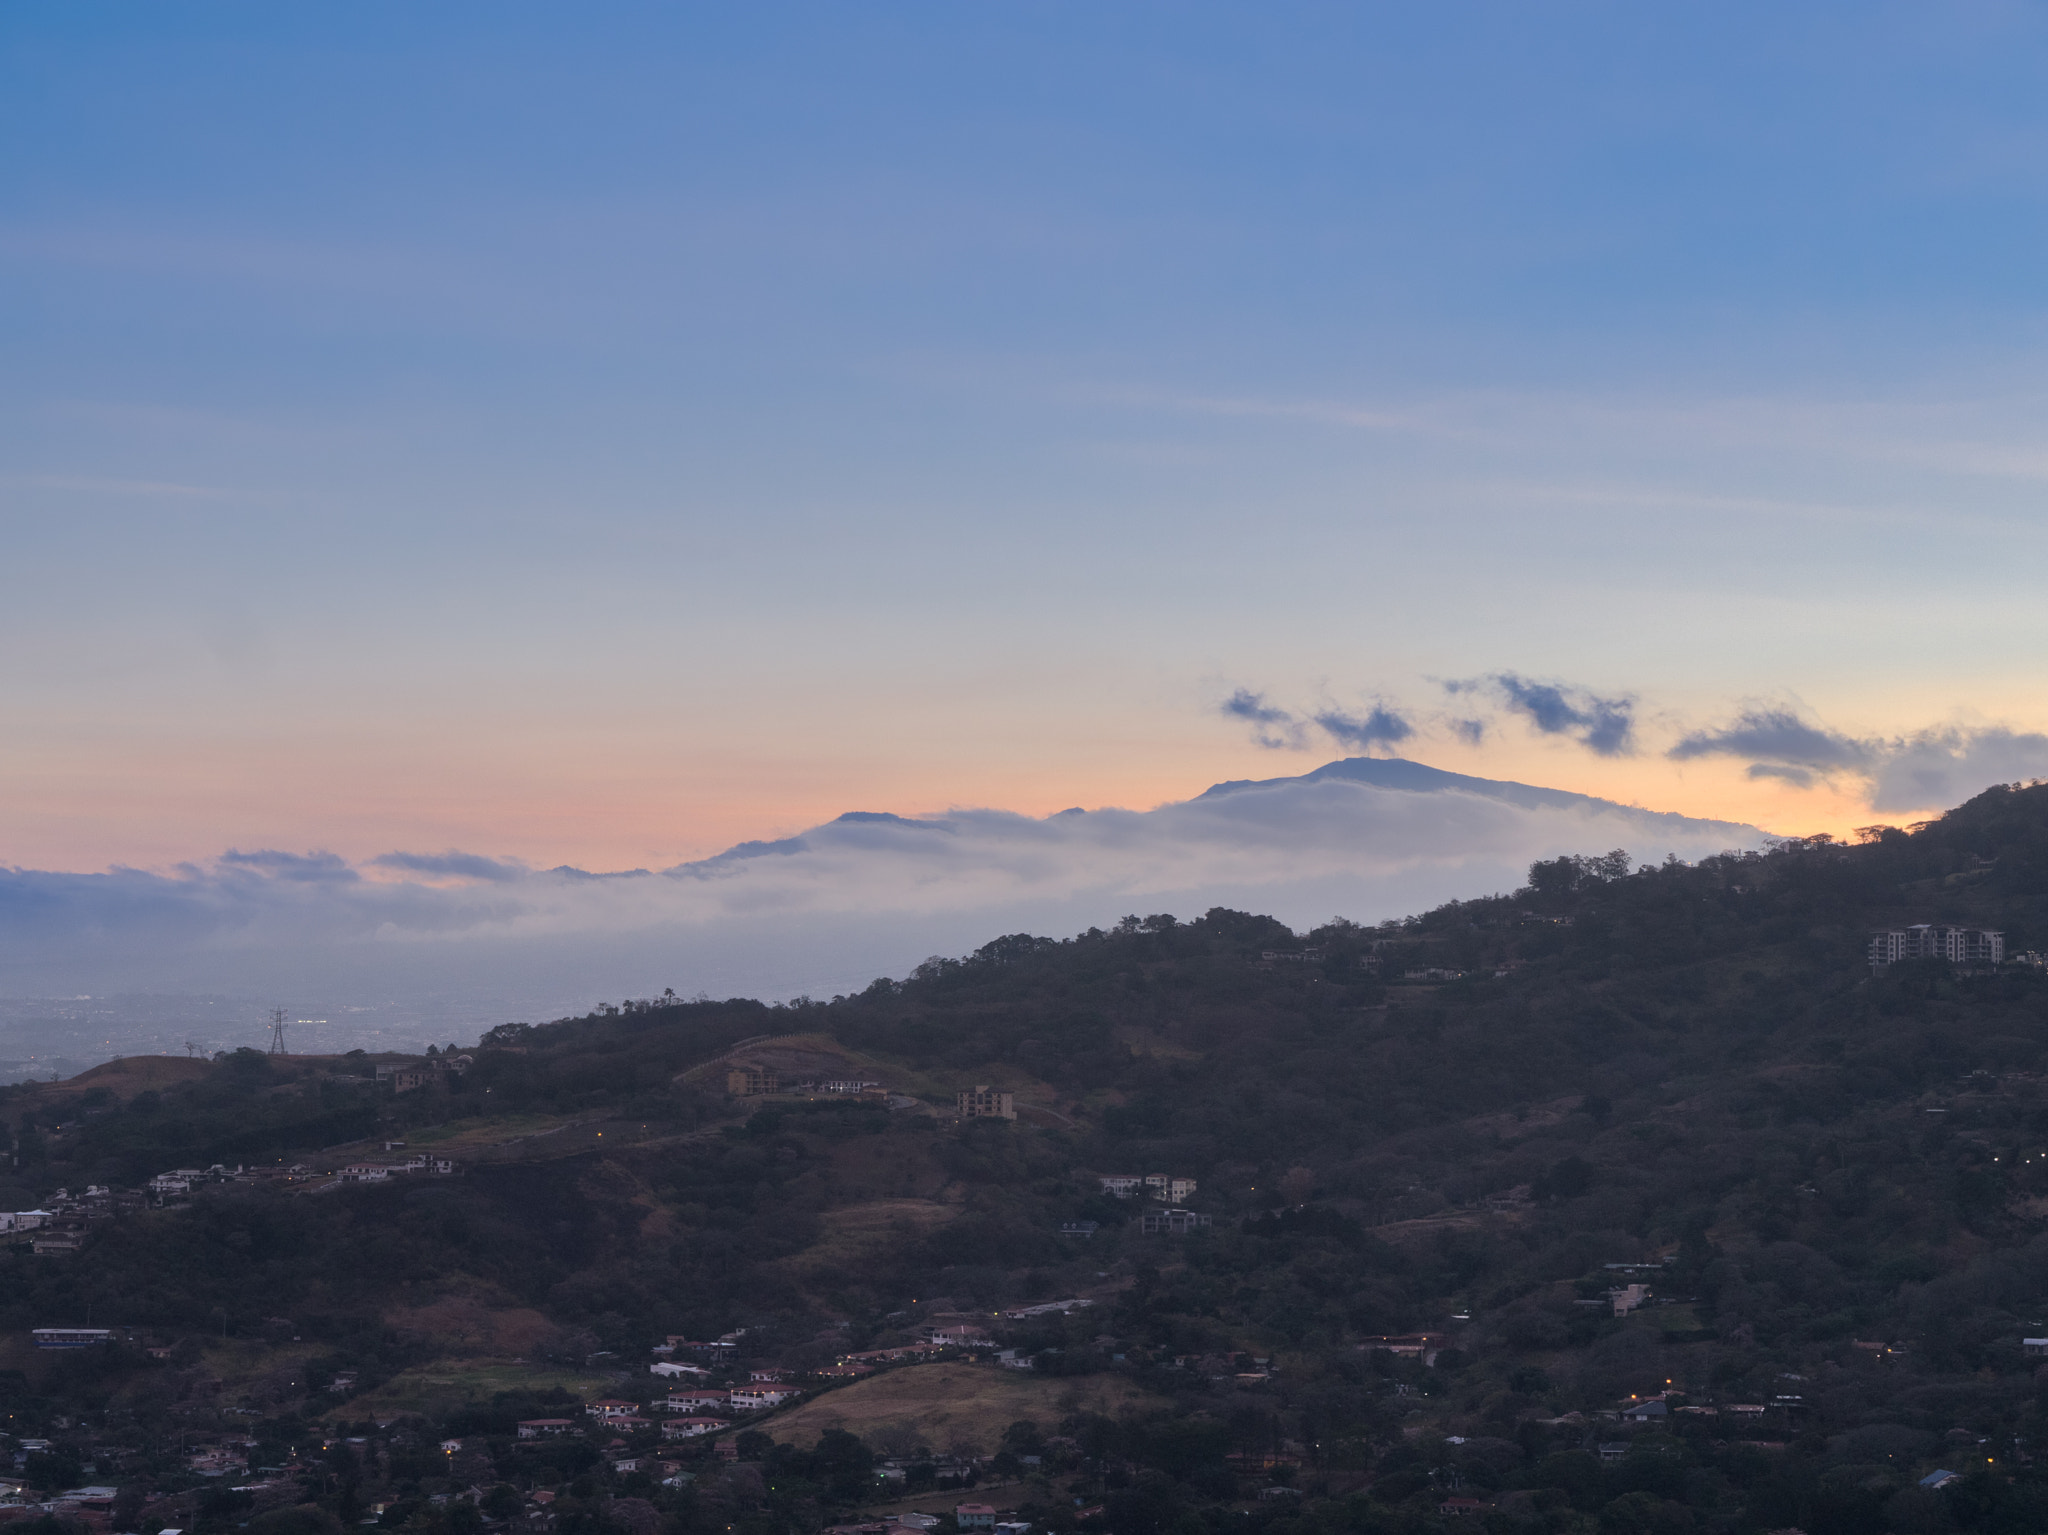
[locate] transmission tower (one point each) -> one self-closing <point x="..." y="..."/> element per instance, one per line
<point x="277" y="1032"/>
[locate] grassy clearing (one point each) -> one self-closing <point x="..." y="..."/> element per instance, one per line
<point x="448" y="1383"/>
<point x="944" y="1405"/>
<point x="460" y="1133"/>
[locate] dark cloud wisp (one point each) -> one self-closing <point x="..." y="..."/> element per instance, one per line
<point x="1272" y="727"/>
<point x="1278" y="728"/>
<point x="1778" y="738"/>
<point x="1380" y="726"/>
<point x="1604" y="726"/>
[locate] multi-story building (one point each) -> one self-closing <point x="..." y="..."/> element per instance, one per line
<point x="987" y="1103"/>
<point x="1930" y="940"/>
<point x="751" y="1081"/>
<point x="1172" y="1222"/>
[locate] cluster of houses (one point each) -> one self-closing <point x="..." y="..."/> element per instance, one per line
<point x="382" y="1172"/>
<point x="60" y="1229"/>
<point x="696" y="1410"/>
<point x="1160" y="1186"/>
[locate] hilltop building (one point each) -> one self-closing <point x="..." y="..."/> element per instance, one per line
<point x="751" y="1081"/>
<point x="986" y="1103"/>
<point x="1931" y="940"/>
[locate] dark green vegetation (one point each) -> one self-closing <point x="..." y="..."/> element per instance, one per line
<point x="1835" y="1186"/>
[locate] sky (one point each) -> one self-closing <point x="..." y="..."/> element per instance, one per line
<point x="601" y="436"/>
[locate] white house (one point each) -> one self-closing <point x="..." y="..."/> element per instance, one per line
<point x="698" y="1400"/>
<point x="691" y="1428"/>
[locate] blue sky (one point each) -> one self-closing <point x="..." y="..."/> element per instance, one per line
<point x="600" y="435"/>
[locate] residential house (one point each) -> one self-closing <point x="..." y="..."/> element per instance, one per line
<point x="1414" y="1345"/>
<point x="691" y="1428"/>
<point x="759" y="1398"/>
<point x="1460" y="1508"/>
<point x="1172" y="1222"/>
<point x="1613" y="1450"/>
<point x="890" y="1355"/>
<point x="1172" y="1190"/>
<point x="2031" y="1345"/>
<point x="1080" y="1229"/>
<point x="767" y="1376"/>
<point x="408" y="1076"/>
<point x="1934" y="1481"/>
<point x="958" y="1335"/>
<point x="611" y="1409"/>
<point x="986" y="1103"/>
<point x="1628" y="1298"/>
<point x="698" y="1399"/>
<point x="975" y="1516"/>
<point x="364" y="1172"/>
<point x="1122" y="1185"/>
<point x="1652" y="1411"/>
<point x="545" y="1428"/>
<point x="1047" y="1308"/>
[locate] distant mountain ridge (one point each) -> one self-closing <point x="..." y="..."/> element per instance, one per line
<point x="1396" y="773"/>
<point x="1420" y="778"/>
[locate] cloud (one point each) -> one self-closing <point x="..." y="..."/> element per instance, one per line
<point x="452" y="865"/>
<point x="857" y="897"/>
<point x="1948" y="765"/>
<point x="1281" y="729"/>
<point x="305" y="867"/>
<point x="1379" y="727"/>
<point x="1274" y="728"/>
<point x="1604" y="726"/>
<point x="1778" y="737"/>
<point x="1929" y="769"/>
<point x="1798" y="777"/>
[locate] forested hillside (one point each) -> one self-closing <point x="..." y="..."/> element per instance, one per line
<point x="1472" y="1125"/>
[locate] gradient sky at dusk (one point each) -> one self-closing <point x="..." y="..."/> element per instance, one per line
<point x="602" y="434"/>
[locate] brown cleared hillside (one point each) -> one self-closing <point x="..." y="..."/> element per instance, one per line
<point x="949" y="1404"/>
<point x="128" y="1075"/>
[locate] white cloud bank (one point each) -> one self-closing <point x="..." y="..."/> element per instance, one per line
<point x="861" y="896"/>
